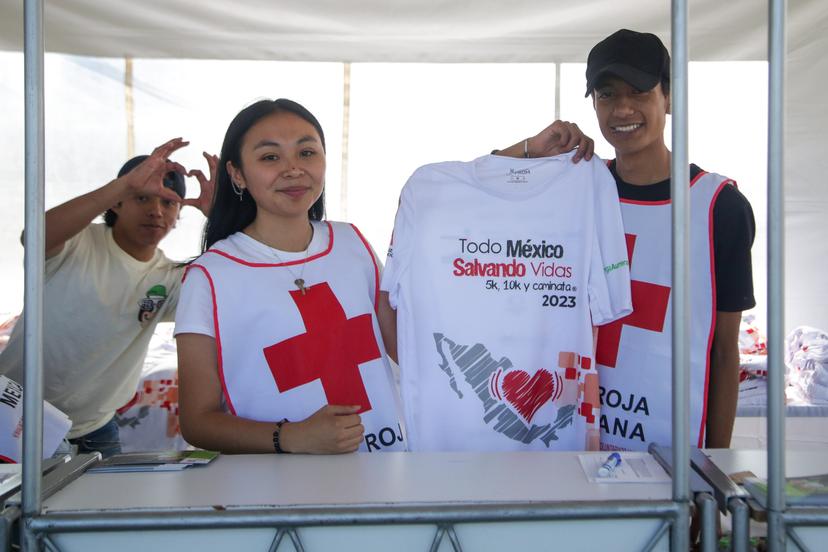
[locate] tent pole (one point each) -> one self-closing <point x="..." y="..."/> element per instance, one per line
<point x="680" y="174"/>
<point x="557" y="91"/>
<point x="129" y="107"/>
<point x="776" y="275"/>
<point x="34" y="261"/>
<point x="346" y="131"/>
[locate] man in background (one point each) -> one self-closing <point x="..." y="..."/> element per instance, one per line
<point x="106" y="287"/>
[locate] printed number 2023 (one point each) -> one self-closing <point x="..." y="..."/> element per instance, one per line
<point x="567" y="301"/>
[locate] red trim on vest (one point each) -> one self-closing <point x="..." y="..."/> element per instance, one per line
<point x="641" y="202"/>
<point x="219" y="362"/>
<point x="290" y="263"/>
<point x="712" y="332"/>
<point x="698" y="176"/>
<point x="662" y="201"/>
<point x="376" y="268"/>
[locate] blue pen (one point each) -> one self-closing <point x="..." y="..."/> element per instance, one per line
<point x="608" y="467"/>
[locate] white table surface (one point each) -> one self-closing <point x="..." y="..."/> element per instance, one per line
<point x="355" y="479"/>
<point x="791" y="410"/>
<point x="798" y="463"/>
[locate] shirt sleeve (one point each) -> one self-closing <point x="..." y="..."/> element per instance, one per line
<point x="175" y="293"/>
<point x="195" y="304"/>
<point x="609" y="276"/>
<point x="733" y="231"/>
<point x="81" y="243"/>
<point x="399" y="251"/>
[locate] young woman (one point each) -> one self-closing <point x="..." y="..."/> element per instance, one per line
<point x="279" y="344"/>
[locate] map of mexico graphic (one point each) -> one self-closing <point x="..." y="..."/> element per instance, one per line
<point x="511" y="398"/>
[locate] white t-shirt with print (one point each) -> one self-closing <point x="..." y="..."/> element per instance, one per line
<point x="498" y="269"/>
<point x="101" y="306"/>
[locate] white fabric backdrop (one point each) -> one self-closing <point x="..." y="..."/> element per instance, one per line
<point x="472" y="31"/>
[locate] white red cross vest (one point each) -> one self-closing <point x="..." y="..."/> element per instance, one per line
<point x="285" y="354"/>
<point x="634" y="353"/>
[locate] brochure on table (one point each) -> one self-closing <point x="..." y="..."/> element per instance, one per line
<point x="153" y="461"/>
<point x="635" y="467"/>
<point x="56" y="424"/>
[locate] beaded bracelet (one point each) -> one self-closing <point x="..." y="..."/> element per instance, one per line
<point x="276" y="434"/>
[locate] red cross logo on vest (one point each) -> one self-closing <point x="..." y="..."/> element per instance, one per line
<point x="331" y="350"/>
<point x="649" y="303"/>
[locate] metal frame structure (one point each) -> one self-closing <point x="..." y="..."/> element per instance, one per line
<point x="34" y="263"/>
<point x="680" y="204"/>
<point x="781" y="519"/>
<point x="776" y="275"/>
<point x="443" y="517"/>
<point x="37" y="527"/>
<point x="728" y="496"/>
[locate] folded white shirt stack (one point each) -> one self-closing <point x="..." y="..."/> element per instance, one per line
<point x="806" y="358"/>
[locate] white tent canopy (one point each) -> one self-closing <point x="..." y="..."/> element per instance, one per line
<point x="397" y="30"/>
<point x="485" y="31"/>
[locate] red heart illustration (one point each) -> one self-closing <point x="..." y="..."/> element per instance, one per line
<point x="527" y="394"/>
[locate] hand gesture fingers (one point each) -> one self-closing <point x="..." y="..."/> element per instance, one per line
<point x="558" y="134"/>
<point x="579" y="140"/>
<point x="586" y="148"/>
<point x="570" y="136"/>
<point x="198" y="175"/>
<point x="167" y="148"/>
<point x="160" y="156"/>
<point x="148" y="177"/>
<point x="168" y="194"/>
<point x="173" y="166"/>
<point x="207" y="186"/>
<point x="212" y="162"/>
<point x="563" y="137"/>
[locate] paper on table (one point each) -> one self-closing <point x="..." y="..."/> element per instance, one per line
<point x="811" y="490"/>
<point x="173" y="460"/>
<point x="636" y="467"/>
<point x="55" y="423"/>
<point x="9" y="477"/>
<point x="139" y="468"/>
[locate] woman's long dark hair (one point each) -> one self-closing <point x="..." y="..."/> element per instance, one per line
<point x="229" y="215"/>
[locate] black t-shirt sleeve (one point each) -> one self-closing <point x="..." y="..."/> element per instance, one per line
<point x="733" y="231"/>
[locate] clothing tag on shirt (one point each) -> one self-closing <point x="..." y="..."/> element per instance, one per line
<point x="518" y="176"/>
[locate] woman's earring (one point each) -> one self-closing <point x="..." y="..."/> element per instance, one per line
<point x="238" y="190"/>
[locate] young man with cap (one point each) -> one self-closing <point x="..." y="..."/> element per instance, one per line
<point x="628" y="77"/>
<point x="106" y="287"/>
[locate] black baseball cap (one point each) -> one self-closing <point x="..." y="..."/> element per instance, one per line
<point x="639" y="59"/>
<point x="172" y="180"/>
